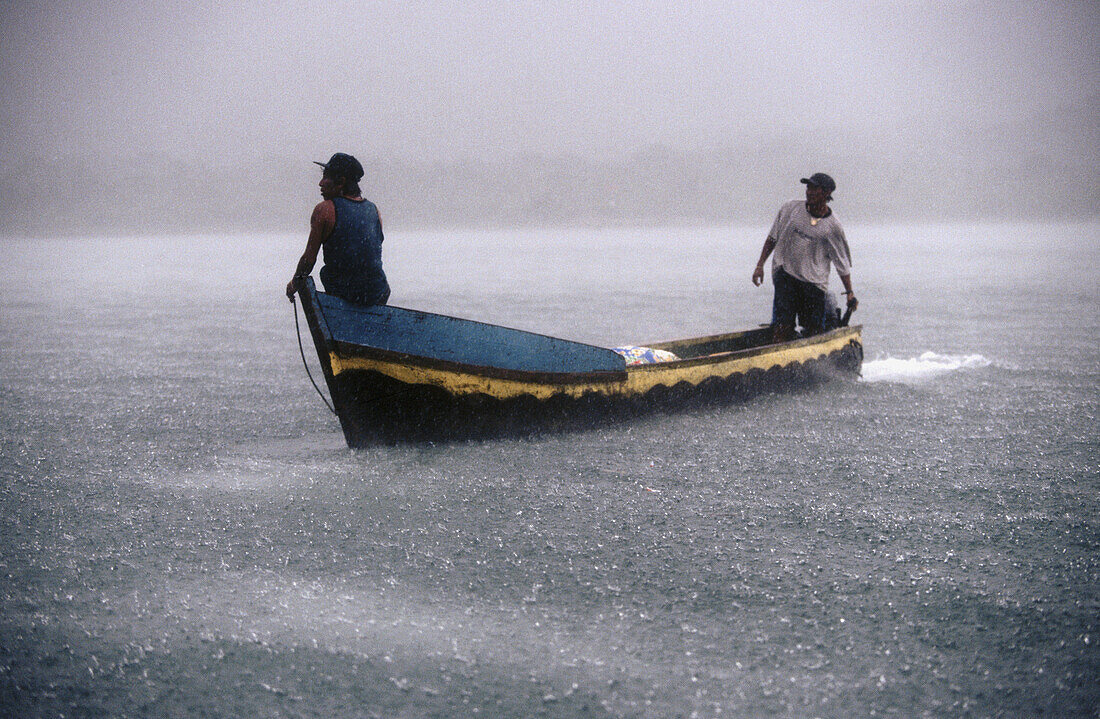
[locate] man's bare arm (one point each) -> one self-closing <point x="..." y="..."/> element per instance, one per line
<point x="758" y="273"/>
<point x="853" y="303"/>
<point x="321" y="224"/>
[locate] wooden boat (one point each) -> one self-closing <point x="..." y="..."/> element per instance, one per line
<point x="397" y="374"/>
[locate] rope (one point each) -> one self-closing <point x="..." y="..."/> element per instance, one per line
<point x="302" y="352"/>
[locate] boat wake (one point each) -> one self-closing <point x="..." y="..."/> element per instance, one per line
<point x="918" y="369"/>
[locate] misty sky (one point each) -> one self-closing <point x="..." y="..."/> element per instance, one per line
<point x="481" y="79"/>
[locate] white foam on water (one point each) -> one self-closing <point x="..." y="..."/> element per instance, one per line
<point x="918" y="369"/>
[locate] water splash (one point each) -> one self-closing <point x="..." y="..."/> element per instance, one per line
<point x="917" y="369"/>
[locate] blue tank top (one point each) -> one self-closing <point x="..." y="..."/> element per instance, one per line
<point x="353" y="254"/>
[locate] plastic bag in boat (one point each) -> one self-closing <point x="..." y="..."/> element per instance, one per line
<point x="635" y="355"/>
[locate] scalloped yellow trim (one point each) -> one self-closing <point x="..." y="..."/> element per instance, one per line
<point x="639" y="379"/>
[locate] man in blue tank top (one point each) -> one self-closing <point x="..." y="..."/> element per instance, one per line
<point x="349" y="229"/>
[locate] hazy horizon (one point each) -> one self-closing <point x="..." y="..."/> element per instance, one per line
<point x="527" y="111"/>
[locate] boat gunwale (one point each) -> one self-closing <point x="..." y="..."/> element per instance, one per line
<point x="367" y="352"/>
<point x="703" y="339"/>
<point x="720" y="357"/>
<point x="351" y="350"/>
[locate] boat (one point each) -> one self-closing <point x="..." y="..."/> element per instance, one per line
<point x="397" y="374"/>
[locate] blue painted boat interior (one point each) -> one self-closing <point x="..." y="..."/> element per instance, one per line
<point x="457" y="340"/>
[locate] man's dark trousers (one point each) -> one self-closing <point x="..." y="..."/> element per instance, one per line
<point x="795" y="299"/>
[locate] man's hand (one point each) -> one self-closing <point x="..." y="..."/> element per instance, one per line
<point x="853" y="303"/>
<point x="758" y="275"/>
<point x="291" y="288"/>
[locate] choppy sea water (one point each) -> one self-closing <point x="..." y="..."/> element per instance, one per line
<point x="183" y="532"/>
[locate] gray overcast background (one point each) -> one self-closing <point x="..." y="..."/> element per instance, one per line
<point x="205" y="115"/>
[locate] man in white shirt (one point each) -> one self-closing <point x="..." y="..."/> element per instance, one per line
<point x="807" y="239"/>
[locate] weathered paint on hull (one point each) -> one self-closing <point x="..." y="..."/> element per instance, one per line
<point x="462" y="381"/>
<point x="400" y="401"/>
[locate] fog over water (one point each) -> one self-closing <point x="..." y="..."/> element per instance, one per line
<point x="163" y="116"/>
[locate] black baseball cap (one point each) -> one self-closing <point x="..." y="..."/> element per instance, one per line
<point x="344" y="165"/>
<point x="821" y="180"/>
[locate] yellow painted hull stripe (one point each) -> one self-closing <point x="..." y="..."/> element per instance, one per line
<point x="639" y="379"/>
